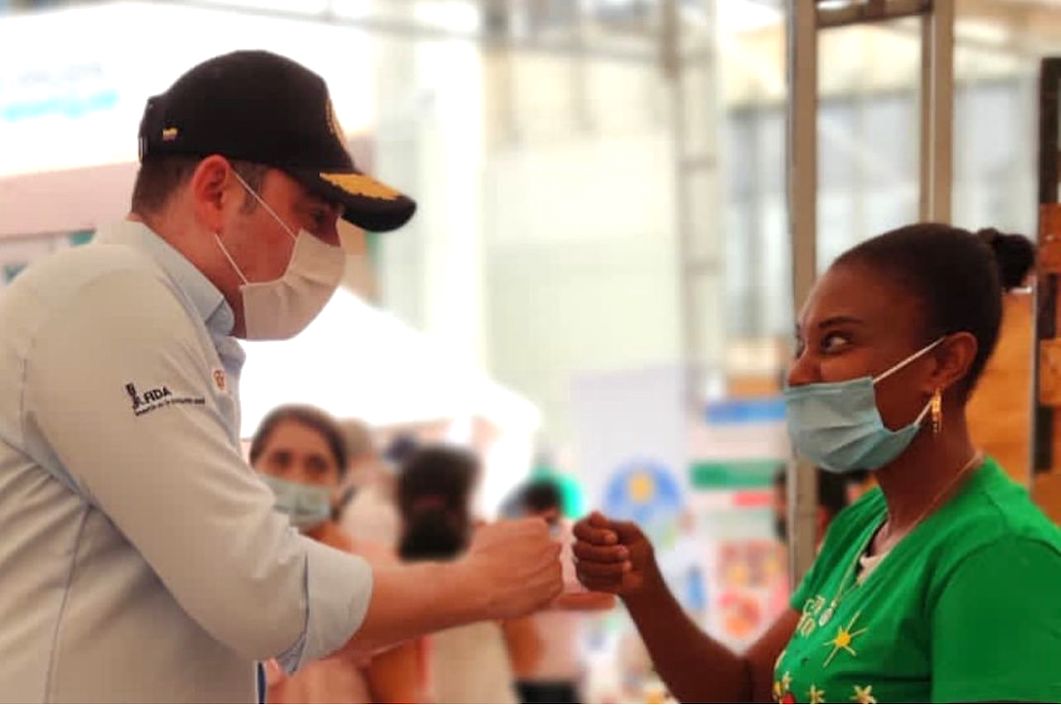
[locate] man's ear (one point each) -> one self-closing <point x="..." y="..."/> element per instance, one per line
<point x="210" y="187"/>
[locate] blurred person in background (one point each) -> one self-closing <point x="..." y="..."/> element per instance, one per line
<point x="471" y="663"/>
<point x="832" y="498"/>
<point x="939" y="585"/>
<point x="368" y="510"/>
<point x="833" y="495"/>
<point x="142" y="558"/>
<point x="555" y="676"/>
<point x="303" y="456"/>
<point x="859" y="483"/>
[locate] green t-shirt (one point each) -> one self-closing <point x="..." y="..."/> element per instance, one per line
<point x="966" y="608"/>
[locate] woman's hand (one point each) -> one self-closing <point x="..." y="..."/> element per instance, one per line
<point x="613" y="556"/>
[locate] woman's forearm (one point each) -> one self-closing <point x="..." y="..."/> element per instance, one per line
<point x="695" y="667"/>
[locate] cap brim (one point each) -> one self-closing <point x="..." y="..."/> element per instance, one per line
<point x="369" y="204"/>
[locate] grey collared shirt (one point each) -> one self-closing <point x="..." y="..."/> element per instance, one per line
<point x="142" y="559"/>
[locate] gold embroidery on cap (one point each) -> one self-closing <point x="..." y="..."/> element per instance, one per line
<point x="169" y="134"/>
<point x="361" y="185"/>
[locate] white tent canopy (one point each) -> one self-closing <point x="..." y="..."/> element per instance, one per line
<point x="357" y="361"/>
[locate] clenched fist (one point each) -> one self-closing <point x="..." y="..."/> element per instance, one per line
<point x="613" y="556"/>
<point x="517" y="565"/>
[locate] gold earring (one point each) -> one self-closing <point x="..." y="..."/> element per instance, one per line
<point x="937" y="413"/>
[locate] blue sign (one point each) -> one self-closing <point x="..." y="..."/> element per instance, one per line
<point x="734" y="412"/>
<point x="70" y="92"/>
<point x="644" y="491"/>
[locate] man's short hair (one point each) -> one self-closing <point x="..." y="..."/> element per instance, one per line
<point x="160" y="176"/>
<point x="541" y="496"/>
<point x="441" y="473"/>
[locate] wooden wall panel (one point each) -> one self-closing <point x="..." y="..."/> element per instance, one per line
<point x="1000" y="411"/>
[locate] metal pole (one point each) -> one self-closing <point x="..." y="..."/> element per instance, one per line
<point x="671" y="65"/>
<point x="688" y="59"/>
<point x="937" y="111"/>
<point x="802" y="218"/>
<point x="1048" y="282"/>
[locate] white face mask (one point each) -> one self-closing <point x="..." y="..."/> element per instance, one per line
<point x="307" y="506"/>
<point x="282" y="308"/>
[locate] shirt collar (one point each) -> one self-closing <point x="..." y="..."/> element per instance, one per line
<point x="208" y="300"/>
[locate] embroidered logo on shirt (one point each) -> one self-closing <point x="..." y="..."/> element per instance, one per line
<point x="156" y="398"/>
<point x="220" y="380"/>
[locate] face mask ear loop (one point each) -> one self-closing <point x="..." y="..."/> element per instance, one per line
<point x="231" y="261"/>
<point x="264" y="205"/>
<point x="924" y="412"/>
<point x="923" y="351"/>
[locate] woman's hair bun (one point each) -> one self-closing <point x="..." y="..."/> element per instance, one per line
<point x="1014" y="255"/>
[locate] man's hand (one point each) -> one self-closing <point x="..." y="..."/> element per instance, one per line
<point x="584" y="601"/>
<point x="613" y="556"/>
<point x="516" y="564"/>
<point x="511" y="569"/>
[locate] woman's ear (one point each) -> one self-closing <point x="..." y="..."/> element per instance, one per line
<point x="954" y="358"/>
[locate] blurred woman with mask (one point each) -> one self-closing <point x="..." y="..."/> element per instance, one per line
<point x="468" y="664"/>
<point x="302" y="456"/>
<point x="939" y="585"/>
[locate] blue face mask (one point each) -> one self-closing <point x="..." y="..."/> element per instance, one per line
<point x="838" y="427"/>
<point x="307" y="505"/>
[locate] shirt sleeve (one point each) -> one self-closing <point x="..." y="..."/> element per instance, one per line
<point x="996" y="626"/>
<point x="118" y="389"/>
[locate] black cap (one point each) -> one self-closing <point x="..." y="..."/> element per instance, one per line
<point x="259" y="107"/>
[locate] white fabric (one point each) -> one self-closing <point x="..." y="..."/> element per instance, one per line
<point x="141" y="557"/>
<point x="561" y="633"/>
<point x="868" y="564"/>
<point x="373" y="517"/>
<point x="561" y="630"/>
<point x="470" y="664"/>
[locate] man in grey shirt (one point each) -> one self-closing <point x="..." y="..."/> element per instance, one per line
<point x="141" y="557"/>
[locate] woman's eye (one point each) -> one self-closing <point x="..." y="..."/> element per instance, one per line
<point x="280" y="460"/>
<point x="834" y="342"/>
<point x="316" y="466"/>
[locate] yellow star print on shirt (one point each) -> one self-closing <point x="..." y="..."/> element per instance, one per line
<point x="816" y="696"/>
<point x="782" y="686"/>
<point x="864" y="695"/>
<point x="842" y="640"/>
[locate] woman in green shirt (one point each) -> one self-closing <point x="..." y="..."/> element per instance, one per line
<point x="941" y="585"/>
